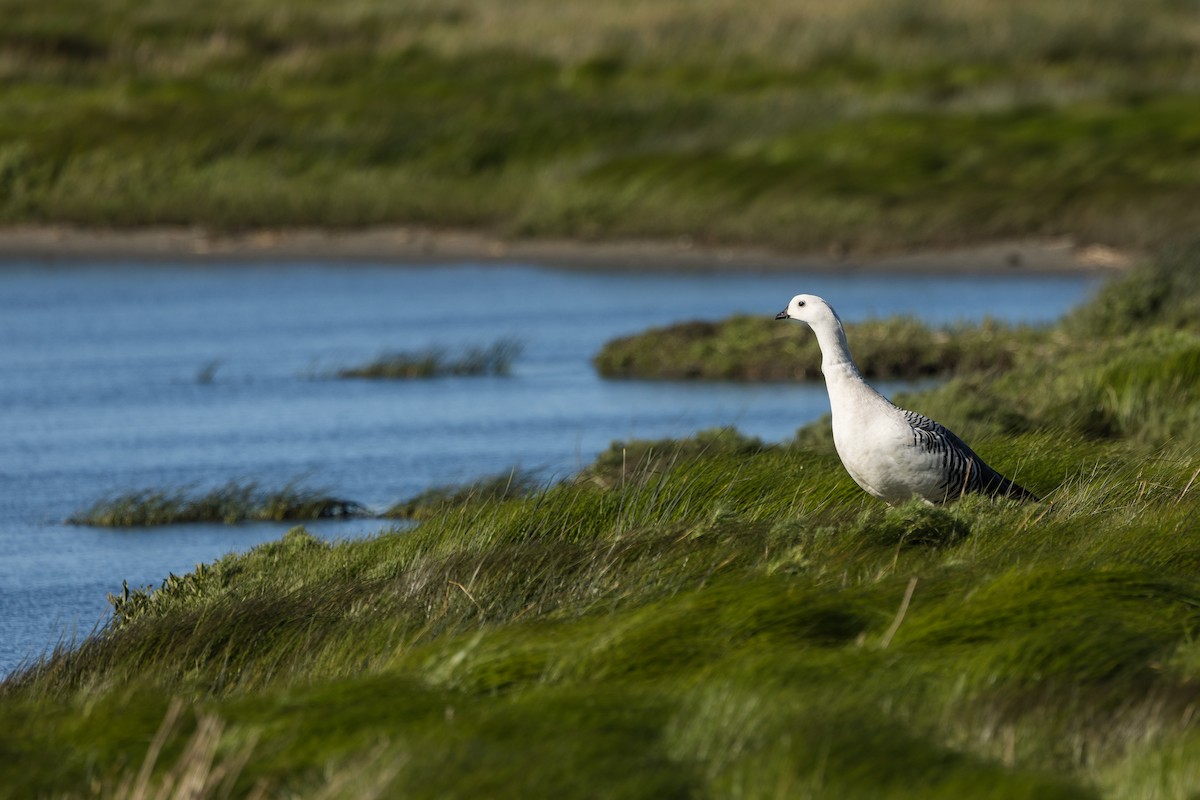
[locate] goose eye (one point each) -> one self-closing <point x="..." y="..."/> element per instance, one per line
<point x="800" y="304"/>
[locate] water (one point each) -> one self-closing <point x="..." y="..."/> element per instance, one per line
<point x="101" y="391"/>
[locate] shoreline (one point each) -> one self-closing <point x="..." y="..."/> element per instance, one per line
<point x="414" y="245"/>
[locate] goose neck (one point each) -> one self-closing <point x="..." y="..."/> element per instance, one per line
<point x="835" y="351"/>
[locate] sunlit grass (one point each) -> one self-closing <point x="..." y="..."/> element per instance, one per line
<point x="711" y="606"/>
<point x="439" y="499"/>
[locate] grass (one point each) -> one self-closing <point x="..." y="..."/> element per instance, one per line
<point x="233" y="502"/>
<point x="436" y="362"/>
<point x="869" y="126"/>
<point x="716" y="616"/>
<point x="440" y="499"/>
<point x="746" y="348"/>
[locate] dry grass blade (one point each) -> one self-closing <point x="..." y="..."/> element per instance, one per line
<point x="197" y="774"/>
<point x="895" y="626"/>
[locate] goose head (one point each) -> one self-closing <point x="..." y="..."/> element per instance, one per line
<point x="809" y="308"/>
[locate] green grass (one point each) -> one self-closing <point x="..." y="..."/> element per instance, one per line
<point x="233" y="502"/>
<point x="711" y="617"/>
<point x="436" y="362"/>
<point x="868" y="126"/>
<point x="439" y="499"/>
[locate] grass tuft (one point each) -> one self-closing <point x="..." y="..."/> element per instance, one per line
<point x="915" y="524"/>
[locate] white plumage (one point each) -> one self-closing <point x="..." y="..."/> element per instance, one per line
<point x="892" y="453"/>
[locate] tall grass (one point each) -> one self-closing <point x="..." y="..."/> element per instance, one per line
<point x="490" y="489"/>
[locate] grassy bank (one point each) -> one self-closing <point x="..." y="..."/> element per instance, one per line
<point x="864" y="126"/>
<point x="718" y="617"/>
<point x="746" y="348"/>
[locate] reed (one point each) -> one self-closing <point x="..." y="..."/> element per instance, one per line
<point x="494" y="359"/>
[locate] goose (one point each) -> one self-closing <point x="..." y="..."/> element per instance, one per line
<point x="894" y="454"/>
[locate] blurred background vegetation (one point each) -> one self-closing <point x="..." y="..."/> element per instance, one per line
<point x="858" y="125"/>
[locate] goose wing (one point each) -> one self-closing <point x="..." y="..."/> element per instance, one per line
<point x="961" y="470"/>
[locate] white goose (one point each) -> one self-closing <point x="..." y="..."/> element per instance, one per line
<point x="892" y="453"/>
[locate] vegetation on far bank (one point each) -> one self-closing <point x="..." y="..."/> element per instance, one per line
<point x="748" y="348"/>
<point x="436" y="362"/>
<point x="861" y="125"/>
<point x="714" y="617"/>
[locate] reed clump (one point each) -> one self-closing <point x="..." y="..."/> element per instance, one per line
<point x="437" y="362"/>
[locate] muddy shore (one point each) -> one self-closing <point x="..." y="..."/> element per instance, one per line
<point x="412" y="245"/>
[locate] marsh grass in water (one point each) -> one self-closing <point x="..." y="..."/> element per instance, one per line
<point x="231" y="503"/>
<point x="436" y="362"/>
<point x="712" y="617"/>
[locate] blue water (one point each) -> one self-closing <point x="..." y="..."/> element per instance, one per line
<point x="100" y="392"/>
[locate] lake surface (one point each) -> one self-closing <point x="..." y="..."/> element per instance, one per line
<point x="102" y="390"/>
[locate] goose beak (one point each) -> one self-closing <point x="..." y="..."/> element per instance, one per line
<point x="782" y="314"/>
